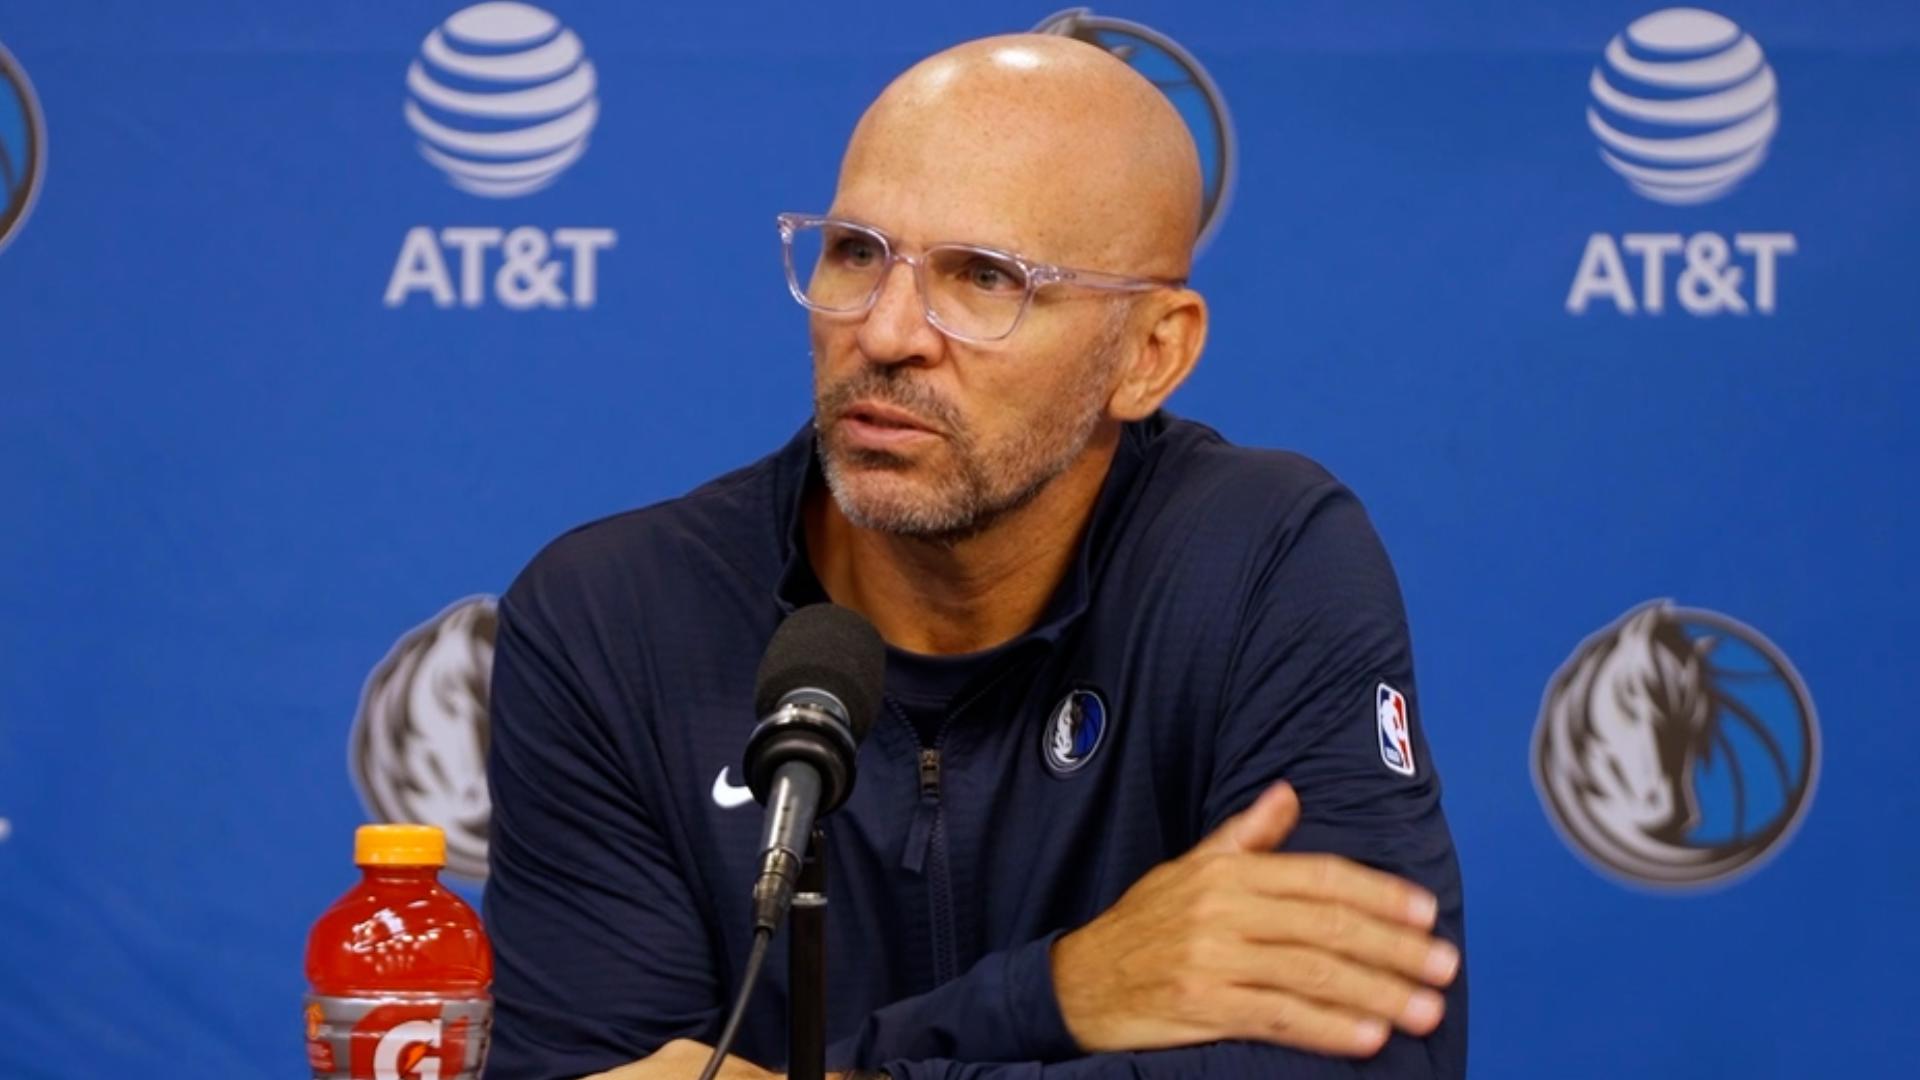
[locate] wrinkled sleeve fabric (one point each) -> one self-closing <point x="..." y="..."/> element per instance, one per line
<point x="1001" y="1009"/>
<point x="600" y="952"/>
<point x="1322" y="627"/>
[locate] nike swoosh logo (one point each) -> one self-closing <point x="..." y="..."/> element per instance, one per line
<point x="726" y="796"/>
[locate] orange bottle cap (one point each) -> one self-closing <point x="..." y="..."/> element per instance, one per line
<point x="399" y="845"/>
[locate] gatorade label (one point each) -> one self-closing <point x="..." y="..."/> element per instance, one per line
<point x="397" y="1037"/>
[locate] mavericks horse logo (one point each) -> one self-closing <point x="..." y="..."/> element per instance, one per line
<point x="419" y="745"/>
<point x="1677" y="747"/>
<point x="1074" y="731"/>
<point x="1168" y="65"/>
<point x="23" y="146"/>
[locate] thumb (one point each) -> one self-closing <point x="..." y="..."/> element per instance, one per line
<point x="1260" y="827"/>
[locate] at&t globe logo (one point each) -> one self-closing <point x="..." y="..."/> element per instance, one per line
<point x="1676" y="747"/>
<point x="502" y="100"/>
<point x="23" y="147"/>
<point x="1685" y="107"/>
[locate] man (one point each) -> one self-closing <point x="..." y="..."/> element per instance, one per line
<point x="1126" y="662"/>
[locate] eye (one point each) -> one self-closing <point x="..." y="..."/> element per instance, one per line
<point x="853" y="249"/>
<point x="992" y="275"/>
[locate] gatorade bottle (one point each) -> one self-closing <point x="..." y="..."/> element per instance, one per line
<point x="399" y="968"/>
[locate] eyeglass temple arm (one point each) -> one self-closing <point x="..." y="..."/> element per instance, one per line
<point x="1094" y="279"/>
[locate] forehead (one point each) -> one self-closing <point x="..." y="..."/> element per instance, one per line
<point x="1016" y="184"/>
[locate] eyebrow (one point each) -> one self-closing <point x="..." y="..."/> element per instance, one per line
<point x="919" y="244"/>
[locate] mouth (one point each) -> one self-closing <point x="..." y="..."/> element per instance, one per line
<point x="875" y="426"/>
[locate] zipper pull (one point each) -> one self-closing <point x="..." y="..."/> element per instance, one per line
<point x="930" y="775"/>
<point x="920" y="829"/>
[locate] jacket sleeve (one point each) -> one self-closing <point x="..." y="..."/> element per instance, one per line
<point x="1322" y="631"/>
<point x="600" y="954"/>
<point x="1001" y="1009"/>
<point x="1214" y="1061"/>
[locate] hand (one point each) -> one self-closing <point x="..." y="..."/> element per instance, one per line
<point x="1235" y="941"/>
<point x="682" y="1059"/>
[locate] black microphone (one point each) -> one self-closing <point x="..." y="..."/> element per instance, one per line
<point x="817" y="693"/>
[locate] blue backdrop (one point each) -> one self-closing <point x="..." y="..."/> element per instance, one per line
<point x="249" y="463"/>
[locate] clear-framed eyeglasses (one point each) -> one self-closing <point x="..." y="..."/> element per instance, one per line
<point x="971" y="293"/>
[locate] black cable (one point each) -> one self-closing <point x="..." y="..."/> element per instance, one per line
<point x="756" y="959"/>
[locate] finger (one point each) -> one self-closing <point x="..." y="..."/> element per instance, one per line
<point x="1284" y="1019"/>
<point x="1330" y="979"/>
<point x="1342" y="881"/>
<point x="1259" y="827"/>
<point x="1376" y="943"/>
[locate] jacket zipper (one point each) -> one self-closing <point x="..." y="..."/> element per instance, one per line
<point x="927" y="854"/>
<point x="939" y="880"/>
<point x="928" y="851"/>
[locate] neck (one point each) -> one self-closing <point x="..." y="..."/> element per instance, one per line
<point x="936" y="596"/>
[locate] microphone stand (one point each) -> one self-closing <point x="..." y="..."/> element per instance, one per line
<point x="807" y="967"/>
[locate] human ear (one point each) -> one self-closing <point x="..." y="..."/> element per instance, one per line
<point x="1176" y="334"/>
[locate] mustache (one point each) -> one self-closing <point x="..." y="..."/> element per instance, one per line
<point x="888" y="386"/>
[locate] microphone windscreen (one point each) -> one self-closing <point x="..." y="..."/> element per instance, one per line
<point x="825" y="647"/>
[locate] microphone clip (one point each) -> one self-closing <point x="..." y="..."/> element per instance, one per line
<point x="809" y="726"/>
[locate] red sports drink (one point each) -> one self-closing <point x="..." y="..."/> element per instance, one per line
<point x="399" y="968"/>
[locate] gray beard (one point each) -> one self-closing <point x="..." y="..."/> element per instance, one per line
<point x="985" y="486"/>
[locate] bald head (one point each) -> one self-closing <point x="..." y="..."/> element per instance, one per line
<point x="1038" y="143"/>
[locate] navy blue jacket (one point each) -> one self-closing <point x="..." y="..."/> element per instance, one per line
<point x="1231" y="620"/>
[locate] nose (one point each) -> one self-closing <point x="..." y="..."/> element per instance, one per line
<point x="896" y="330"/>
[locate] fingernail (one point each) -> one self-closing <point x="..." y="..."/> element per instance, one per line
<point x="1422" y="1012"/>
<point x="1443" y="961"/>
<point x="1422" y="908"/>
<point x="1369" y="1034"/>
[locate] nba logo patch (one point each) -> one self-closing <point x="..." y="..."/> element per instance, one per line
<point x="1396" y="738"/>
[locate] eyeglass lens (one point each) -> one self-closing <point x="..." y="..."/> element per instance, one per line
<point x="971" y="292"/>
